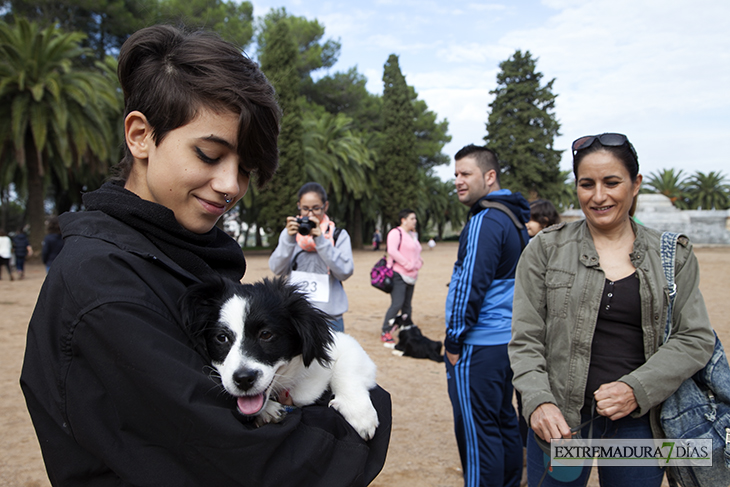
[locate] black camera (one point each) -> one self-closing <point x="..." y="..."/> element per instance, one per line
<point x="305" y="226"/>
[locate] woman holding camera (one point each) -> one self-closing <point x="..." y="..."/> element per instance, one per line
<point x="316" y="254"/>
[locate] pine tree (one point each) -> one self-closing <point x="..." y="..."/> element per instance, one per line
<point x="398" y="164"/>
<point x="521" y="129"/>
<point x="279" y="198"/>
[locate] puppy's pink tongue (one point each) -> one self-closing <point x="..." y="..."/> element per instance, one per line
<point x="249" y="405"/>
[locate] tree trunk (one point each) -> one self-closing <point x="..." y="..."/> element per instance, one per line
<point x="357" y="227"/>
<point x="35" y="209"/>
<point x="259" y="241"/>
<point x="4" y="207"/>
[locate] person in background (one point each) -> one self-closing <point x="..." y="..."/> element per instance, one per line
<point x="377" y="238"/>
<point x="479" y="322"/>
<point x="22" y="250"/>
<point x="6" y="252"/>
<point x="315" y="253"/>
<point x="542" y="215"/>
<point x="590" y="303"/>
<point x="52" y="243"/>
<point x="119" y="390"/>
<point x="404" y="257"/>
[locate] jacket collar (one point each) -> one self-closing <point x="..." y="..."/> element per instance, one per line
<point x="589" y="255"/>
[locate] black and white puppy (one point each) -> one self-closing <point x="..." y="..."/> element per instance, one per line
<point x="265" y="339"/>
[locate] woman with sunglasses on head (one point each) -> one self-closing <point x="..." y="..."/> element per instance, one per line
<point x="315" y="253"/>
<point x="120" y="391"/>
<point x="588" y="323"/>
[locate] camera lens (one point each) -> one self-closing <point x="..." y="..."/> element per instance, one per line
<point x="305" y="226"/>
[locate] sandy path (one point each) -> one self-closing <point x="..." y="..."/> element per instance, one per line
<point x="422" y="452"/>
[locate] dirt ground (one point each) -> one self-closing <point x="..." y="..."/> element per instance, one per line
<point x="422" y="450"/>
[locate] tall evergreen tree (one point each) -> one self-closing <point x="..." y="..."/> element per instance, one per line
<point x="278" y="62"/>
<point x="346" y="93"/>
<point x="398" y="163"/>
<point x="522" y="127"/>
<point x="431" y="135"/>
<point x="312" y="52"/>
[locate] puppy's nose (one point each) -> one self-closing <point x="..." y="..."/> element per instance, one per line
<point x="245" y="378"/>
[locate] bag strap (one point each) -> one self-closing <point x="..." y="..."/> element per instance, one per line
<point x="505" y="209"/>
<point x="668" y="254"/>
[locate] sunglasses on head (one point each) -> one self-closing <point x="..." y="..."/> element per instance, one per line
<point x="606" y="140"/>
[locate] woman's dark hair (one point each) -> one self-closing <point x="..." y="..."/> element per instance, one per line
<point x="622" y="152"/>
<point x="169" y="75"/>
<point x="544" y="213"/>
<point x="313" y="187"/>
<point x="52" y="225"/>
<point x="404" y="214"/>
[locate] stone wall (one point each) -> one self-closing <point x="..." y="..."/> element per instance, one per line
<point x="656" y="211"/>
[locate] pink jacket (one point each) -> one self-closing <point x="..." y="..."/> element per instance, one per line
<point x="404" y="252"/>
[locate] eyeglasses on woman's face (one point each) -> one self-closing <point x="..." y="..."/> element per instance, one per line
<point x="315" y="210"/>
<point x="311" y="203"/>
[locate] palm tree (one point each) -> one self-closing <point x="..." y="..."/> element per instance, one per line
<point x="340" y="161"/>
<point x="53" y="115"/>
<point x="669" y="183"/>
<point x="708" y="191"/>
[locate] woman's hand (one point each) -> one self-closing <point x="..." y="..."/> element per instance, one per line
<point x="316" y="231"/>
<point x="548" y="422"/>
<point x="615" y="400"/>
<point x="292" y="227"/>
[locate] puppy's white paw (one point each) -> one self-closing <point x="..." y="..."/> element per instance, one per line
<point x="273" y="412"/>
<point x="360" y="413"/>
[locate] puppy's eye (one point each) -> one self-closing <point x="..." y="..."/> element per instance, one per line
<point x="221" y="338"/>
<point x="265" y="335"/>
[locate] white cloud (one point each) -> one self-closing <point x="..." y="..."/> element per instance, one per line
<point x="651" y="69"/>
<point x="482" y="7"/>
<point x="658" y="70"/>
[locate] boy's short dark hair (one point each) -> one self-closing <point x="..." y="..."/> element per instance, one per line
<point x="486" y="158"/>
<point x="169" y="75"/>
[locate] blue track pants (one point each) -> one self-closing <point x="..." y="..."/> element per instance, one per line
<point x="485" y="421"/>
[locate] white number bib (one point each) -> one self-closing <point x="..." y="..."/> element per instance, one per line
<point x="315" y="286"/>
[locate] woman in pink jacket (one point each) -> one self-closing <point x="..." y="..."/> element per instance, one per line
<point x="404" y="256"/>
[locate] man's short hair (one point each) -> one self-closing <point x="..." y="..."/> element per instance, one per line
<point x="486" y="158"/>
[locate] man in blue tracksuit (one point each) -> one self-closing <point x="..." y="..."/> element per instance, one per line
<point x="479" y="319"/>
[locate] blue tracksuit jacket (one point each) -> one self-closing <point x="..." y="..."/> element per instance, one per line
<point x="479" y="302"/>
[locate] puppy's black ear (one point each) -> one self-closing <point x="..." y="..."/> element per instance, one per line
<point x="310" y="323"/>
<point x="200" y="305"/>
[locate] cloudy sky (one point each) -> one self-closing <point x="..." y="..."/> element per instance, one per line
<point x="656" y="70"/>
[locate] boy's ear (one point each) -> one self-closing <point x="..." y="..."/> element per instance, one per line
<point x="138" y="134"/>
